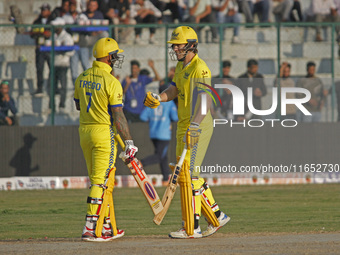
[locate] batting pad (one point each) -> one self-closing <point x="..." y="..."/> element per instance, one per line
<point x="207" y="201"/>
<point x="107" y="202"/>
<point x="96" y="193"/>
<point x="186" y="199"/>
<point x="197" y="185"/>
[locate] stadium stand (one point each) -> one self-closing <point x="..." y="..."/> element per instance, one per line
<point x="17" y="55"/>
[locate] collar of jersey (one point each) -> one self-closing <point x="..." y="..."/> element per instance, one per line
<point x="192" y="61"/>
<point x="102" y="66"/>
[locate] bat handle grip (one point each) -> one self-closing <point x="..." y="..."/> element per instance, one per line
<point x="180" y="161"/>
<point x="120" y="141"/>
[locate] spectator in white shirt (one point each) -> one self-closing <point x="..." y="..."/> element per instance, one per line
<point x="200" y="11"/>
<point x="144" y="12"/>
<point x="322" y="11"/>
<point x="227" y="12"/>
<point x="61" y="60"/>
<point x="82" y="55"/>
<point x="261" y="8"/>
<point x="282" y="10"/>
<point x="337" y="6"/>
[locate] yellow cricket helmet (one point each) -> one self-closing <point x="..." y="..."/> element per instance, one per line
<point x="104" y="47"/>
<point x="183" y="35"/>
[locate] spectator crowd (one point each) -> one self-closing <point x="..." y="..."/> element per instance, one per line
<point x="76" y="42"/>
<point x="131" y="12"/>
<point x="254" y="80"/>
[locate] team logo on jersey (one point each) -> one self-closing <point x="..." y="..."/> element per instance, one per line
<point x="204" y="73"/>
<point x="186" y="75"/>
<point x="119" y="96"/>
<point x="180" y="94"/>
<point x="174" y="36"/>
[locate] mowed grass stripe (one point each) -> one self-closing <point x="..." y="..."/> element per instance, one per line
<point x="253" y="209"/>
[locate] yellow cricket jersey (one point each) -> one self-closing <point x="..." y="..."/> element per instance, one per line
<point x="97" y="91"/>
<point x="198" y="75"/>
<point x="196" y="71"/>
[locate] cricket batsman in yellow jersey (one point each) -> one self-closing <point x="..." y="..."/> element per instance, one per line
<point x="194" y="130"/>
<point x="98" y="96"/>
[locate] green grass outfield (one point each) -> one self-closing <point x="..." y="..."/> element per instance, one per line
<point x="253" y="209"/>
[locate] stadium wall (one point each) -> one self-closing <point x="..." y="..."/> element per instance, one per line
<point x="55" y="150"/>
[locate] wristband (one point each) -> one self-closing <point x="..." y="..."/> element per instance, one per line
<point x="128" y="142"/>
<point x="158" y="97"/>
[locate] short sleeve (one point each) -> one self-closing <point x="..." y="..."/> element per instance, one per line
<point x="203" y="79"/>
<point x="116" y="94"/>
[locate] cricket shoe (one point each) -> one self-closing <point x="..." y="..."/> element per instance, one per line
<point x="107" y="232"/>
<point x="120" y="233"/>
<point x="223" y="219"/>
<point x="182" y="234"/>
<point x="90" y="236"/>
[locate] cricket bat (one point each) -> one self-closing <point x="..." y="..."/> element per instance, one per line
<point x="170" y="190"/>
<point x="142" y="180"/>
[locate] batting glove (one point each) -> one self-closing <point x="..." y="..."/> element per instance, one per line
<point x="152" y="100"/>
<point x="130" y="150"/>
<point x="192" y="135"/>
